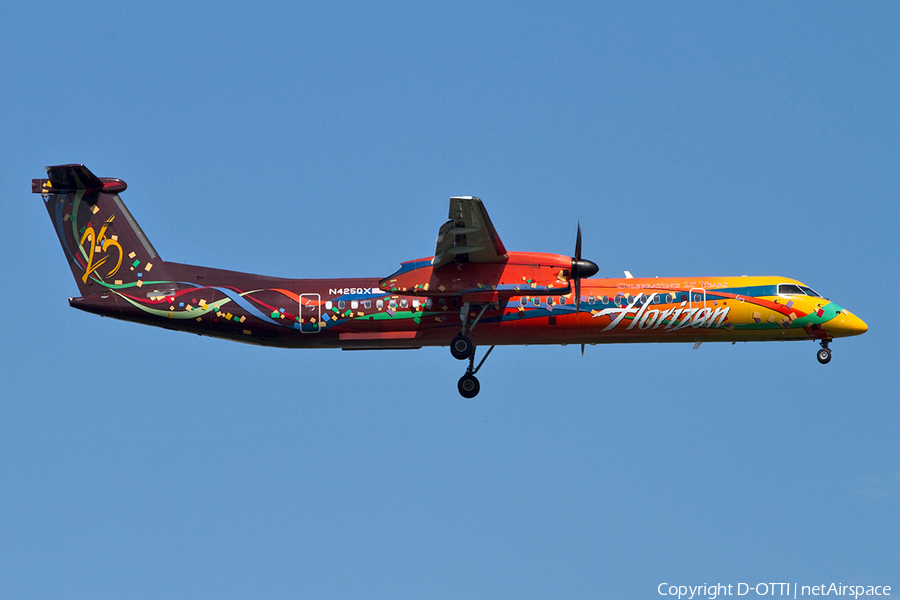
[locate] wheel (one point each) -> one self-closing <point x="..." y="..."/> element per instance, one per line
<point x="461" y="347"/>
<point x="468" y="386"/>
<point x="824" y="356"/>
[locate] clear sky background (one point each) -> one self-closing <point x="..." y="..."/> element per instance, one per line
<point x="300" y="141"/>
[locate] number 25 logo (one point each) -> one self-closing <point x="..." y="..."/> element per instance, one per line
<point x="99" y="244"/>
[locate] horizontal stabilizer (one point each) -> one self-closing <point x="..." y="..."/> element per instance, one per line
<point x="73" y="177"/>
<point x="65" y="179"/>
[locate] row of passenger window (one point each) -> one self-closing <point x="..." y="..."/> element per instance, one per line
<point x="393" y="303"/>
<point x="415" y="303"/>
<point x="605" y="300"/>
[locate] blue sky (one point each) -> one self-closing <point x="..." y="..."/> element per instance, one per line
<point x="307" y="141"/>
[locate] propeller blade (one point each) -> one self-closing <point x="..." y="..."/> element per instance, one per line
<point x="577" y="295"/>
<point x="578" y="243"/>
<point x="580" y="268"/>
<point x="582" y="351"/>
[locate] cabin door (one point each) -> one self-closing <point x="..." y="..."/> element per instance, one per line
<point x="697" y="298"/>
<point x="310" y="313"/>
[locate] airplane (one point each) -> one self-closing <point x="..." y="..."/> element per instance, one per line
<point x="472" y="292"/>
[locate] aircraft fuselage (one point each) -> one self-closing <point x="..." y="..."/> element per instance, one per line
<point x="357" y="313"/>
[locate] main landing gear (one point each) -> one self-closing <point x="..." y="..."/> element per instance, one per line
<point x="462" y="348"/>
<point x="824" y="355"/>
<point x="468" y="385"/>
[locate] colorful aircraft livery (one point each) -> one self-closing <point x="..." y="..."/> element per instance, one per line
<point x="472" y="292"/>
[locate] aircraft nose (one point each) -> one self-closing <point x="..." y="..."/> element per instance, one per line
<point x="846" y="324"/>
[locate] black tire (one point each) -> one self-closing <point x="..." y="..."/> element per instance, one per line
<point x="468" y="386"/>
<point x="824" y="356"/>
<point x="461" y="347"/>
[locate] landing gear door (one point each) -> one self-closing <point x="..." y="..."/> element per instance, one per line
<point x="310" y="313"/>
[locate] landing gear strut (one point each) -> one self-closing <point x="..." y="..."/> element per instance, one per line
<point x="824" y="355"/>
<point x="461" y="347"/>
<point x="468" y="385"/>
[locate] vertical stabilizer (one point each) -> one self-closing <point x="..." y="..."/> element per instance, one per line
<point x="104" y="245"/>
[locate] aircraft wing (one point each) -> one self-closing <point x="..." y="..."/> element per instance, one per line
<point x="469" y="235"/>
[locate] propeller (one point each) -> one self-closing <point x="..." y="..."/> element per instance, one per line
<point x="580" y="268"/>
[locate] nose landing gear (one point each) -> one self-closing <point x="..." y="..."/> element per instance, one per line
<point x="824" y="355"/>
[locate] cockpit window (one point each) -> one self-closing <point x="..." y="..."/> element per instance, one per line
<point x="790" y="289"/>
<point x="810" y="292"/>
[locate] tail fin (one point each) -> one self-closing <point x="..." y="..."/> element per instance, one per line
<point x="104" y="245"/>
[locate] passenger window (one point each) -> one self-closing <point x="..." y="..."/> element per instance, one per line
<point x="379" y="304"/>
<point x="591" y="299"/>
<point x="328" y="305"/>
<point x="563" y="300"/>
<point x="354" y="304"/>
<point x="427" y="302"/>
<point x="341" y="305"/>
<point x="536" y="301"/>
<point x="605" y="300"/>
<point x="367" y="304"/>
<point x="392" y="303"/>
<point x="403" y="303"/>
<point x="523" y="300"/>
<point x="415" y="303"/>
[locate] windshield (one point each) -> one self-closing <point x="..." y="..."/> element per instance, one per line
<point x="810" y="292"/>
<point x="789" y="289"/>
<point x="792" y="289"/>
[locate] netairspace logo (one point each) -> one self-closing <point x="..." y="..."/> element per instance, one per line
<point x="713" y="591"/>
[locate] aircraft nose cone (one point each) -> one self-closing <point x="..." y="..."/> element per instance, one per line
<point x="846" y="324"/>
<point x="584" y="268"/>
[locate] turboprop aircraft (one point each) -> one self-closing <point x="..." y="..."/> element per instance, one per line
<point x="472" y="292"/>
